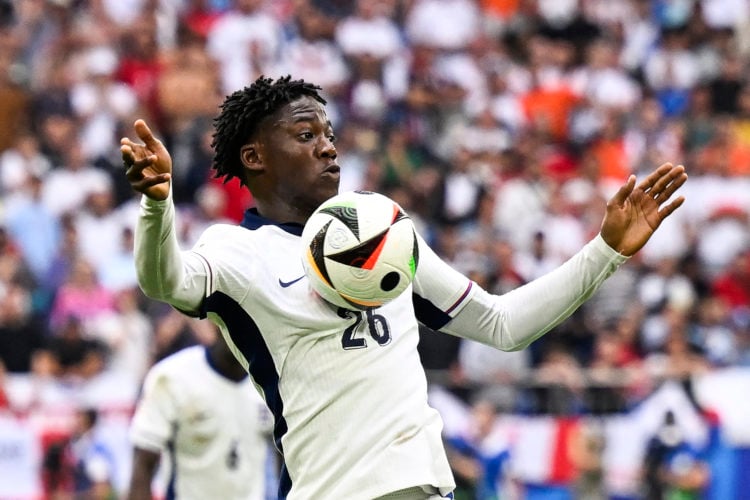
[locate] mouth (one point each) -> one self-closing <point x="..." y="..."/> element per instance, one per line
<point x="332" y="169"/>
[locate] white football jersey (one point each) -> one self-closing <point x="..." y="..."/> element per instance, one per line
<point x="213" y="432"/>
<point x="347" y="389"/>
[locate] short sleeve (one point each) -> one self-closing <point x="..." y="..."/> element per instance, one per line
<point x="156" y="413"/>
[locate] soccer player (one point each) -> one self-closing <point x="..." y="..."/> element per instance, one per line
<point x="351" y="423"/>
<point x="200" y="411"/>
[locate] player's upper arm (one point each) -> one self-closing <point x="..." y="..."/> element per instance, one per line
<point x="439" y="291"/>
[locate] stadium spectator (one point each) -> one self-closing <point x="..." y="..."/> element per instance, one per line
<point x="81" y="466"/>
<point x="98" y="226"/>
<point x="492" y="376"/>
<point x="732" y="286"/>
<point x="314" y="56"/>
<point x="479" y="454"/>
<point x="76" y="177"/>
<point x="21" y="332"/>
<point x="72" y="354"/>
<point x="116" y="271"/>
<point x="246" y="42"/>
<point x="81" y="295"/>
<point x="370" y="35"/>
<point x="128" y="334"/>
<point x="33" y="227"/>
<point x="14" y="98"/>
<point x="673" y="468"/>
<point x="19" y="161"/>
<point x="140" y="65"/>
<point x="444" y="25"/>
<point x="522" y="195"/>
<point x="100" y="102"/>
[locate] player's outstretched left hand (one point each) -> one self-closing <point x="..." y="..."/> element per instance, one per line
<point x="635" y="212"/>
<point x="148" y="165"/>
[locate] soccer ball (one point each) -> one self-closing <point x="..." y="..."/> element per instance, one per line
<point x="359" y="250"/>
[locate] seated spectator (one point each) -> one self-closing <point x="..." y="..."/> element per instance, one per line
<point x="101" y="103"/>
<point x="442" y="24"/>
<point x="33" y="227"/>
<point x="679" y="359"/>
<point x="733" y="285"/>
<point x="21" y="333"/>
<point x="557" y="384"/>
<point x="494" y="376"/>
<point x="81" y="296"/>
<point x="245" y="41"/>
<point x="128" y="334"/>
<point x="19" y="161"/>
<point x="74" y="356"/>
<point x="370" y="32"/>
<point x="76" y="177"/>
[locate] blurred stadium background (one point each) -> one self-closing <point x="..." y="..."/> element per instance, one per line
<point x="502" y="126"/>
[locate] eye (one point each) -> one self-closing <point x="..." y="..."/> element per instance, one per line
<point x="332" y="137"/>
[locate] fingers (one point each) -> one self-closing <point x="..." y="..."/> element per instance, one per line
<point x="654" y="176"/>
<point x="663" y="182"/>
<point x="667" y="210"/>
<point x="147" y="182"/>
<point x="669" y="184"/>
<point x="132" y="151"/>
<point x="622" y="194"/>
<point x="136" y="154"/>
<point x="126" y="150"/>
<point x="144" y="133"/>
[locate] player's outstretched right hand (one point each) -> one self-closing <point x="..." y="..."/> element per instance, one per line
<point x="148" y="165"/>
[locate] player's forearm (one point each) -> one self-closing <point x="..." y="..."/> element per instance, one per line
<point x="163" y="271"/>
<point x="513" y="320"/>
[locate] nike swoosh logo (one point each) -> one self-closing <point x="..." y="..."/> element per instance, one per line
<point x="285" y="284"/>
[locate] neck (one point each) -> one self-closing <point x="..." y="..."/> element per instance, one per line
<point x="225" y="363"/>
<point x="281" y="211"/>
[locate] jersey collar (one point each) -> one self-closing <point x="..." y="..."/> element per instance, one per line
<point x="253" y="220"/>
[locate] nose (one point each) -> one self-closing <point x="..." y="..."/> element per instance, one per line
<point x="326" y="149"/>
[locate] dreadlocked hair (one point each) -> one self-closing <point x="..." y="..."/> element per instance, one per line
<point x="242" y="112"/>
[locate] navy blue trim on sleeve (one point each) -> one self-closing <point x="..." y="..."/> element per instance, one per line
<point x="428" y="313"/>
<point x="431" y="315"/>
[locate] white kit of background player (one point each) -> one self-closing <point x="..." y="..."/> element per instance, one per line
<point x="213" y="433"/>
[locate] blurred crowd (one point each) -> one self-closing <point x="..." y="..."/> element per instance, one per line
<point x="501" y="126"/>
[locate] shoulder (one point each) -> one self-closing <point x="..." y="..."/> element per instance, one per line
<point x="224" y="240"/>
<point x="184" y="361"/>
<point x="229" y="240"/>
<point x="218" y="230"/>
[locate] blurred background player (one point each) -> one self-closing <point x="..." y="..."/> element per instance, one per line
<point x="201" y="412"/>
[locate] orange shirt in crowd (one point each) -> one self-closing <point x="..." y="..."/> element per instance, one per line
<point x="548" y="109"/>
<point x="612" y="159"/>
<point x="504" y="9"/>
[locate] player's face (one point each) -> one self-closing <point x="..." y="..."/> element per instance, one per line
<point x="299" y="156"/>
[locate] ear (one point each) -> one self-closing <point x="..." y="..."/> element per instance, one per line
<point x="251" y="157"/>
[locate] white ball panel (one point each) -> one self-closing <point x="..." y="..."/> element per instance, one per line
<point x="393" y="259"/>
